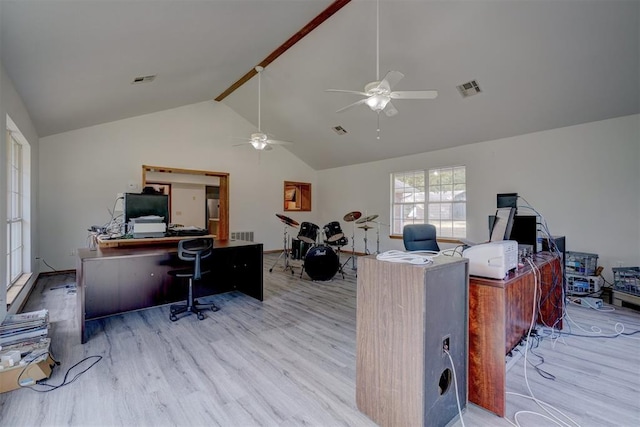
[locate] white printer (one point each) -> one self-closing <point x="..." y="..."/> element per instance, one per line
<point x="493" y="259"/>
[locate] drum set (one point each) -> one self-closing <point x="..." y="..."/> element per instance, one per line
<point x="321" y="257"/>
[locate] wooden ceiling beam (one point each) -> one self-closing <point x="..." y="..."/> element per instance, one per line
<point x="313" y="24"/>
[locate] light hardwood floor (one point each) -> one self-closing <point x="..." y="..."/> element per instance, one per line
<point x="289" y="361"/>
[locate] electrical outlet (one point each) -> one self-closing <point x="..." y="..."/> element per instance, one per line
<point x="445" y="344"/>
<point x="72" y="252"/>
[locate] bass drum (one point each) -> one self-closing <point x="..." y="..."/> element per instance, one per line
<point x="321" y="263"/>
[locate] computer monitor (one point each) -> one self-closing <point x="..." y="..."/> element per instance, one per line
<point x="507" y="200"/>
<point x="137" y="205"/>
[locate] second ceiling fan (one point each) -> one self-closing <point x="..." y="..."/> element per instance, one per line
<point x="260" y="140"/>
<point x="378" y="94"/>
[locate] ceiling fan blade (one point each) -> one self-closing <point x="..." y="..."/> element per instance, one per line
<point x="276" y="142"/>
<point x="362" y="101"/>
<point x="390" y="110"/>
<point x="355" y="92"/>
<point x="414" y="94"/>
<point x="390" y="80"/>
<point x="267" y="148"/>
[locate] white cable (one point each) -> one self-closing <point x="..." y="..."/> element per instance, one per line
<point x="540" y="403"/>
<point x="455" y="384"/>
<point x="415" y="257"/>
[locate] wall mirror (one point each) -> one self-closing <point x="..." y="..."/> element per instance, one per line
<point x="197" y="198"/>
<point x="297" y="196"/>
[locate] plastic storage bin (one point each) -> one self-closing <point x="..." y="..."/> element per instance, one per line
<point x="584" y="285"/>
<point x="581" y="263"/>
<point x="627" y="279"/>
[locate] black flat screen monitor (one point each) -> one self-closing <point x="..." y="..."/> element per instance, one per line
<point x="137" y="205"/>
<point x="507" y="200"/>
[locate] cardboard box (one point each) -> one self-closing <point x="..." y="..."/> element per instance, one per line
<point x="32" y="373"/>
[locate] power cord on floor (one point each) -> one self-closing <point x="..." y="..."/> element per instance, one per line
<point x="66" y="375"/>
<point x="455" y="384"/>
<point x="46" y="263"/>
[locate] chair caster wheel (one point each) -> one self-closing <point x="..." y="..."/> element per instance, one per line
<point x="200" y="316"/>
<point x="173" y="318"/>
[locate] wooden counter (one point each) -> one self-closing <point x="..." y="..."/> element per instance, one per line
<point x="120" y="279"/>
<point x="147" y="241"/>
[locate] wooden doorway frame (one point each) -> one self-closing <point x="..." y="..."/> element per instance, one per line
<point x="223" y="230"/>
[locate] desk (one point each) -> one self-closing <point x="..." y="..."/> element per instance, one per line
<point x="499" y="316"/>
<point x="117" y="280"/>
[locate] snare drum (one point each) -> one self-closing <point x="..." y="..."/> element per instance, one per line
<point x="343" y="241"/>
<point x="333" y="231"/>
<point x="308" y="232"/>
<point x="321" y="263"/>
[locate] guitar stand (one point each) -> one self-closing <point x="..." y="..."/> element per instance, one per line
<point x="285" y="252"/>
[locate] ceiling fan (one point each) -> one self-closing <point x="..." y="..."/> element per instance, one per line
<point x="378" y="93"/>
<point x="259" y="140"/>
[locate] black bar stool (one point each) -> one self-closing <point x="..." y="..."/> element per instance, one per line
<point x="194" y="250"/>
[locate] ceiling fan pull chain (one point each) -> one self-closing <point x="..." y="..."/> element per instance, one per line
<point x="259" y="70"/>
<point x="378" y="126"/>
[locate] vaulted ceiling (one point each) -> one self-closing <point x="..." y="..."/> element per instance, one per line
<point x="539" y="64"/>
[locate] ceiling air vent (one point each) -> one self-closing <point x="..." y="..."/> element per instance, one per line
<point x="143" y="79"/>
<point x="339" y="130"/>
<point x="469" y="88"/>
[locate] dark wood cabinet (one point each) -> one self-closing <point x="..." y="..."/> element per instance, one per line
<point x="117" y="280"/>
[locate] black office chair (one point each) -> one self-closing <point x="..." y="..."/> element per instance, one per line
<point x="192" y="250"/>
<point x="420" y="237"/>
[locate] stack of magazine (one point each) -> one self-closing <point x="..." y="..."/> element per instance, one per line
<point x="24" y="328"/>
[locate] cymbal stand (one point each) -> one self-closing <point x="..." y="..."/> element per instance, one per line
<point x="352" y="257"/>
<point x="366" y="251"/>
<point x="378" y="239"/>
<point x="285" y="252"/>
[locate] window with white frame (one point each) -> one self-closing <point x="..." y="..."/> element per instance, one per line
<point x="14" y="210"/>
<point x="437" y="197"/>
<point x="447" y="201"/>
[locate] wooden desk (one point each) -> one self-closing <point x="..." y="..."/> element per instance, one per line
<point x="499" y="316"/>
<point x="116" y="280"/>
<point x="148" y="241"/>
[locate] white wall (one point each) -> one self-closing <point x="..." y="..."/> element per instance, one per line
<point x="584" y="179"/>
<point x="188" y="205"/>
<point x="81" y="172"/>
<point x="12" y="105"/>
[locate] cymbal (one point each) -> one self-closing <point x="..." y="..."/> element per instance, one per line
<point x="366" y="227"/>
<point x="290" y="222"/>
<point x="352" y="216"/>
<point x="366" y="219"/>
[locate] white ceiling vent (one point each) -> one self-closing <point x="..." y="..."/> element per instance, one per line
<point x="143" y="79"/>
<point x="469" y="88"/>
<point x="339" y="130"/>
